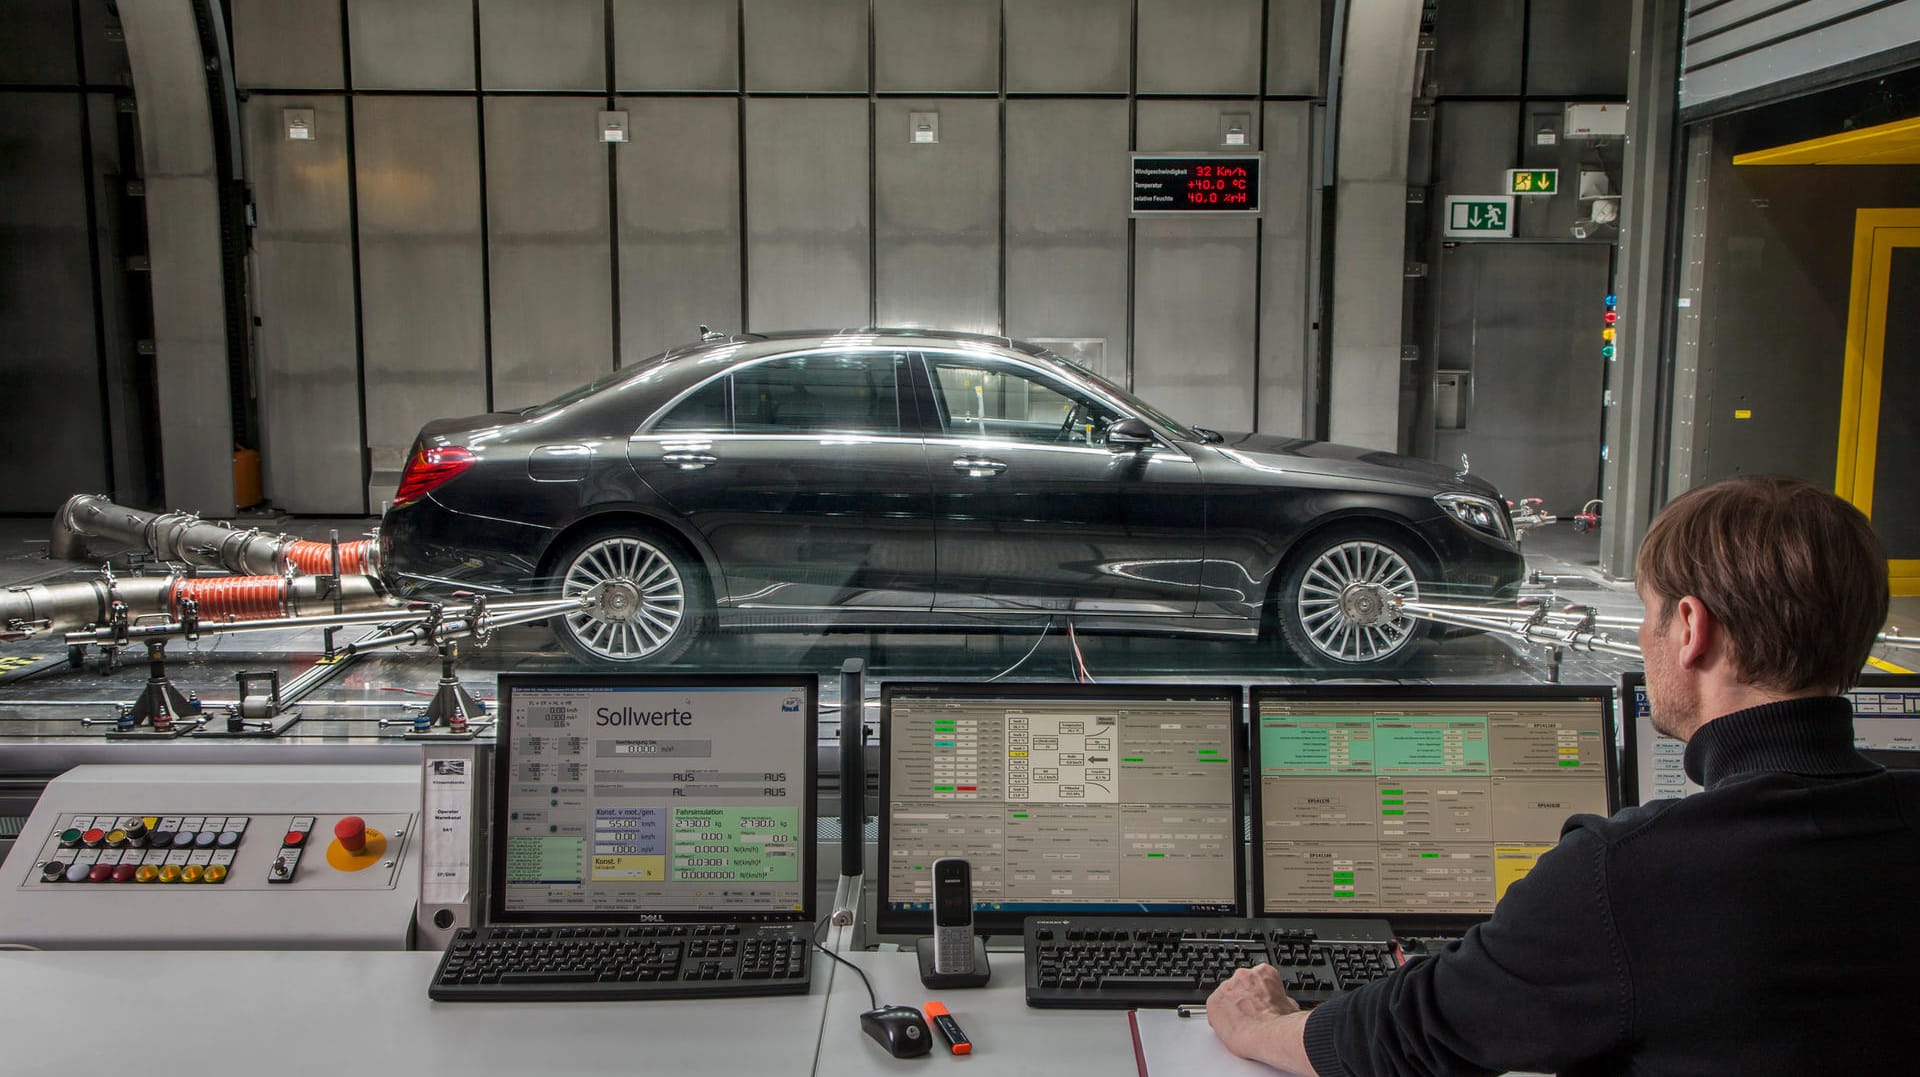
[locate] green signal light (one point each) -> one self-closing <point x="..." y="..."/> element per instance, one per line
<point x="1607" y="351"/>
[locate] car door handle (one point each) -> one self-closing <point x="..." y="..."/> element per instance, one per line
<point x="978" y="467"/>
<point x="690" y="461"/>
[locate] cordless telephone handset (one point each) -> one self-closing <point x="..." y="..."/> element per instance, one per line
<point x="952" y="917"/>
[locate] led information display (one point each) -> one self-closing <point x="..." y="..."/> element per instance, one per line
<point x="1196" y="183"/>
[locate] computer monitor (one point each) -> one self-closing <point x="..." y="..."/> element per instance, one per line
<point x="648" y="799"/>
<point x="1886" y="729"/>
<point x="1420" y="804"/>
<point x="1076" y="798"/>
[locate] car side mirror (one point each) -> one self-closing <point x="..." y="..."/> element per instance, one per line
<point x="1129" y="435"/>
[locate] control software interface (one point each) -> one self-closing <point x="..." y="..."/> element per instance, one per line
<point x="1886" y="718"/>
<point x="1108" y="798"/>
<point x="623" y="796"/>
<point x="1405" y="801"/>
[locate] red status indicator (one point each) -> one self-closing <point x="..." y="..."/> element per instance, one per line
<point x="1199" y="184"/>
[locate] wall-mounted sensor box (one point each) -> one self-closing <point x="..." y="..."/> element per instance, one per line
<point x="923" y="128"/>
<point x="1597" y="121"/>
<point x="613" y="127"/>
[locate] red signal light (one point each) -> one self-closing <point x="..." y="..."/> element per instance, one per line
<point x="1612" y="317"/>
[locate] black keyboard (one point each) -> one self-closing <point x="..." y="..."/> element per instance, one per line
<point x="1127" y="962"/>
<point x="536" y="964"/>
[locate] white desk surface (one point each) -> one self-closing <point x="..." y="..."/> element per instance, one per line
<point x="1008" y="1037"/>
<point x="287" y="1013"/>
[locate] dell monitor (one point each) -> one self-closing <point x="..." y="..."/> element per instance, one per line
<point x="1064" y="798"/>
<point x="653" y="799"/>
<point x="1418" y="804"/>
<point x="1886" y="729"/>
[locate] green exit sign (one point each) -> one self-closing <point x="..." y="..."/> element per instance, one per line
<point x="1533" y="181"/>
<point x="1479" y="216"/>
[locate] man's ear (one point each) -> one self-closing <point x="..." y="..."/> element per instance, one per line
<point x="1699" y="634"/>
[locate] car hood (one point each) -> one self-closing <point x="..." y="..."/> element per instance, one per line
<point x="1306" y="456"/>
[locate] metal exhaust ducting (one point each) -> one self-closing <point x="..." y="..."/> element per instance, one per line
<point x="67" y="607"/>
<point x="185" y="538"/>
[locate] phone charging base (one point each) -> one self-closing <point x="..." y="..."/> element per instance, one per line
<point x="977" y="978"/>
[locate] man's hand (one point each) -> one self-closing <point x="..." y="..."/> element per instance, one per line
<point x="1248" y="1012"/>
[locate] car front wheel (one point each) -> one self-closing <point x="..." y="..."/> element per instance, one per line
<point x="647" y="599"/>
<point x="1334" y="610"/>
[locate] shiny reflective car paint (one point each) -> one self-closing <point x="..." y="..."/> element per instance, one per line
<point x="907" y="478"/>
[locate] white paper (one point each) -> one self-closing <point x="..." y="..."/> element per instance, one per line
<point x="449" y="827"/>
<point x="1171" y="1045"/>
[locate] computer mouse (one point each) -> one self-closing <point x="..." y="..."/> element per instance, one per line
<point x="900" y="1029"/>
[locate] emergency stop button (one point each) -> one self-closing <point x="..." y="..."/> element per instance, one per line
<point x="351" y="833"/>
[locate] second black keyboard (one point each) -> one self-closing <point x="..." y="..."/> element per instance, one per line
<point x="533" y="964"/>
<point x="1126" y="962"/>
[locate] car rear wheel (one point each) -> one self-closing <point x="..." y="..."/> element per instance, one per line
<point x="649" y="600"/>
<point x="1334" y="610"/>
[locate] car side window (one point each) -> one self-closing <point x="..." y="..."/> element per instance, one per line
<point x="987" y="398"/>
<point x="821" y="393"/>
<point x="705" y="411"/>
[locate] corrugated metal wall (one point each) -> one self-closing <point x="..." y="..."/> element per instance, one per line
<point x="504" y="254"/>
<point x="1742" y="52"/>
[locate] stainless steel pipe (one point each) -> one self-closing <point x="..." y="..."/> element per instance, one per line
<point x="63" y="607"/>
<point x="187" y="539"/>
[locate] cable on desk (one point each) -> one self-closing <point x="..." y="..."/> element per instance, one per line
<point x="871" y="997"/>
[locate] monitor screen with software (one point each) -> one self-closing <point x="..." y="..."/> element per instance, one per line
<point x="1886" y="728"/>
<point x="1064" y="798"/>
<point x="643" y="798"/>
<point x="1418" y="803"/>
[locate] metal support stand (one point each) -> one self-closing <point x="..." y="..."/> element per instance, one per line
<point x="453" y="706"/>
<point x="160" y="704"/>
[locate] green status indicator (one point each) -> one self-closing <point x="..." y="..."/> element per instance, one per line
<point x="1392" y="811"/>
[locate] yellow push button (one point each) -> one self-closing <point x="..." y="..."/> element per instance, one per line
<point x="169" y="873"/>
<point x="146" y="874"/>
<point x="192" y="873"/>
<point x="216" y="873"/>
<point x="116" y="838"/>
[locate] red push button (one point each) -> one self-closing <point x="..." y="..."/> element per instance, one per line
<point x="351" y="832"/>
<point x="92" y="838"/>
<point x="294" y="837"/>
<point x="124" y="873"/>
<point x="101" y="873"/>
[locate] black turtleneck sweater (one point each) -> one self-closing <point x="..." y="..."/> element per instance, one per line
<point x="1763" y="926"/>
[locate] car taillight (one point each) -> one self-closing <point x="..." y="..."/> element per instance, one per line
<point x="430" y="469"/>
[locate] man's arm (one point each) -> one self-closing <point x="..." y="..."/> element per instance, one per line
<point x="1255" y="1019"/>
<point x="1540" y="986"/>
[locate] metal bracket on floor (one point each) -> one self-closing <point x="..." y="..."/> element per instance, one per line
<point x="162" y="708"/>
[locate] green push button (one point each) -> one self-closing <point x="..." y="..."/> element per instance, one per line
<point x="70" y="838"/>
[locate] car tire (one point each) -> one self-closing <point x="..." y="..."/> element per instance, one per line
<point x="1330" y="622"/>
<point x="651" y="598"/>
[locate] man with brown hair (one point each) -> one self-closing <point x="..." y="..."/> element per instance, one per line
<point x="1760" y="926"/>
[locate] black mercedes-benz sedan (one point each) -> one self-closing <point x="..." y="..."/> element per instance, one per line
<point x="887" y="478"/>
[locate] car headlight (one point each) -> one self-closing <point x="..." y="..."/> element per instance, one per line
<point x="1483" y="514"/>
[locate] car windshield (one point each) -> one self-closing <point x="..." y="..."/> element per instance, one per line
<point x="1133" y="403"/>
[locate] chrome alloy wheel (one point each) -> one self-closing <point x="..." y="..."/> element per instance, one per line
<point x="1343" y="601"/>
<point x="639" y="598"/>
